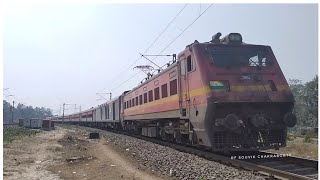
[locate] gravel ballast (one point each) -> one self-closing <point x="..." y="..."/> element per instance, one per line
<point x="170" y="162"/>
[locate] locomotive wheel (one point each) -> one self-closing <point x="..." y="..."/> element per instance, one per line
<point x="177" y="137"/>
<point x="170" y="137"/>
<point x="163" y="135"/>
<point x="193" y="140"/>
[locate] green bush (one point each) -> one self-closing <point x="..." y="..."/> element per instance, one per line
<point x="307" y="139"/>
<point x="13" y="133"/>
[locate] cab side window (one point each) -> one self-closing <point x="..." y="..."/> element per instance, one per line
<point x="189" y="64"/>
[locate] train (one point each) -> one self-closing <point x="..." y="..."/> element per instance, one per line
<point x="222" y="95"/>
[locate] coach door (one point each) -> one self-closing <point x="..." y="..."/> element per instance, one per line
<point x="113" y="111"/>
<point x="184" y="98"/>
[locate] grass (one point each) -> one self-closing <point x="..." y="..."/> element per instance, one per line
<point x="305" y="150"/>
<point x="300" y="145"/>
<point x="12" y="133"/>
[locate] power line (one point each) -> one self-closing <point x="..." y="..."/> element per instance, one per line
<point x="150" y="45"/>
<point x="170" y="42"/>
<point x="166" y="27"/>
<point x="126" y="81"/>
<point x="184" y="30"/>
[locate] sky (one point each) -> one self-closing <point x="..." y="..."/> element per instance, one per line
<point x="66" y="53"/>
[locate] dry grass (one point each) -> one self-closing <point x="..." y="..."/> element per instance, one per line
<point x="296" y="146"/>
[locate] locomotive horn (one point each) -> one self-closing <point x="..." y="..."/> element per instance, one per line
<point x="216" y="38"/>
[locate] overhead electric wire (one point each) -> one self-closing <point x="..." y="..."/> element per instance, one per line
<point x="151" y="43"/>
<point x="126" y="80"/>
<point x="184" y="30"/>
<point x="170" y="42"/>
<point x="166" y="27"/>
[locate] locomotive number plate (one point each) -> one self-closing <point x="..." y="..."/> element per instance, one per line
<point x="245" y="77"/>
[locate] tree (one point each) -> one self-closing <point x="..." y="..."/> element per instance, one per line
<point x="306" y="97"/>
<point x="24" y="112"/>
<point x="6" y="111"/>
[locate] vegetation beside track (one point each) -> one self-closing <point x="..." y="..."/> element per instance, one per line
<point x="302" y="144"/>
<point x="12" y="133"/>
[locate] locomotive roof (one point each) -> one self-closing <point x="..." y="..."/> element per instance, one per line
<point x="221" y="44"/>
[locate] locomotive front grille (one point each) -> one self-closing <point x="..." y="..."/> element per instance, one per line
<point x="248" y="141"/>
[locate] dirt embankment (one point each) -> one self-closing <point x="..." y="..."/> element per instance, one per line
<point x="28" y="157"/>
<point x="67" y="154"/>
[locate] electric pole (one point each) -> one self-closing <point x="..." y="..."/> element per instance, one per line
<point x="12" y="112"/>
<point x="63" y="106"/>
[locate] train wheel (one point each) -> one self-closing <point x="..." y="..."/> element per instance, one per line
<point x="193" y="138"/>
<point x="177" y="137"/>
<point x="163" y="135"/>
<point x="170" y="137"/>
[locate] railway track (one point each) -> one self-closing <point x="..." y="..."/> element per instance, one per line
<point x="286" y="167"/>
<point x="274" y="168"/>
<point x="266" y="164"/>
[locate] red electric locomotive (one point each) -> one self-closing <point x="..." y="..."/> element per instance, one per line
<point x="224" y="94"/>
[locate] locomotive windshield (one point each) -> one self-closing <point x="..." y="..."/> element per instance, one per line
<point x="240" y="56"/>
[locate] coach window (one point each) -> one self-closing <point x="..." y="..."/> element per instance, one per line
<point x="101" y="111"/>
<point x="150" y="96"/>
<point x="156" y="93"/>
<point x="140" y="99"/>
<point x="105" y="110"/>
<point x="145" y="96"/>
<point x="164" y="91"/>
<point x="173" y="87"/>
<point x="137" y="102"/>
<point x="108" y="112"/>
<point x="189" y="64"/>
